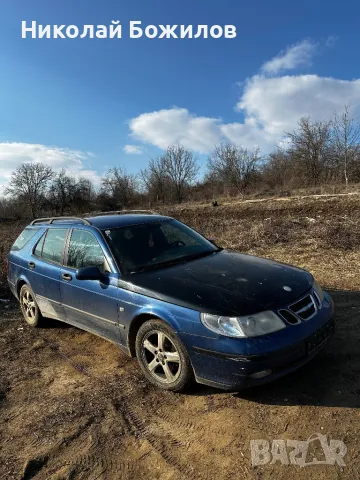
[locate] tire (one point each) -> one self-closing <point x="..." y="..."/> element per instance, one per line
<point x="29" y="307"/>
<point x="162" y="357"/>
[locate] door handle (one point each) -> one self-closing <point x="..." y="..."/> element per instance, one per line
<point x="67" y="277"/>
<point x="31" y="265"/>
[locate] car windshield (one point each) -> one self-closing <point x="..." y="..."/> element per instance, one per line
<point x="156" y="244"/>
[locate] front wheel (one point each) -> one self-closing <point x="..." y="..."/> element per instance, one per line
<point x="162" y="357"/>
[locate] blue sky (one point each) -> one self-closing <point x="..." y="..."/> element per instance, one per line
<point x="90" y="104"/>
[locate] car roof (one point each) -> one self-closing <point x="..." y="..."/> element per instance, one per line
<point x="103" y="222"/>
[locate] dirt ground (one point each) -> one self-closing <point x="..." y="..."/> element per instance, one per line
<point x="72" y="406"/>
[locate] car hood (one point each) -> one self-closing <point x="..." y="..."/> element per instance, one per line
<point x="224" y="283"/>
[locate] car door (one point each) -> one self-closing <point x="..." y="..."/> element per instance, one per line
<point x="89" y="304"/>
<point x="45" y="265"/>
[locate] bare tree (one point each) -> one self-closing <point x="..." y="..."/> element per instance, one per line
<point x="309" y="146"/>
<point x="346" y="138"/>
<point x="85" y="195"/>
<point x="30" y="181"/>
<point x="180" y="166"/>
<point x="119" y="188"/>
<point x="156" y="180"/>
<point x="62" y="192"/>
<point x="235" y="166"/>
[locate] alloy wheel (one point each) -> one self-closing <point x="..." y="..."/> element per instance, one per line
<point x="161" y="357"/>
<point x="29" y="306"/>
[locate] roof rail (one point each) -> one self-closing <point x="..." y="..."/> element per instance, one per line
<point x="51" y="220"/>
<point x="125" y="212"/>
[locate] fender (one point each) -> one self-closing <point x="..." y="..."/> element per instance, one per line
<point x="179" y="319"/>
<point x="162" y="313"/>
<point x="22" y="279"/>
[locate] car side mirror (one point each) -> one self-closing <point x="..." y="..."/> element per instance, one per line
<point x="89" y="273"/>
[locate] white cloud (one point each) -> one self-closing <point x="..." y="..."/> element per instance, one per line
<point x="176" y="125"/>
<point x="248" y="135"/>
<point x="133" y="149"/>
<point x="278" y="103"/>
<point x="201" y="134"/>
<point x="270" y="106"/>
<point x="293" y="57"/>
<point x="73" y="161"/>
<point x="330" y="41"/>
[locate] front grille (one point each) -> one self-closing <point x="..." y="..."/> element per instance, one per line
<point x="289" y="317"/>
<point x="304" y="308"/>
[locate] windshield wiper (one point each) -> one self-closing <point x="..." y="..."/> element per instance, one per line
<point x="175" y="261"/>
<point x="201" y="254"/>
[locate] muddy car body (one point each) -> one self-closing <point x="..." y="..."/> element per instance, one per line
<point x="185" y="307"/>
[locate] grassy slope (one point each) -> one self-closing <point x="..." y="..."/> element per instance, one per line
<point x="321" y="234"/>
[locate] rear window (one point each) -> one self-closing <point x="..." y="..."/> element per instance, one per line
<point x="24" y="237"/>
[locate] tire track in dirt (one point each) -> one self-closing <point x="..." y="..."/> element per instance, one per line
<point x="165" y="431"/>
<point x="194" y="440"/>
<point x="90" y="466"/>
<point x="174" y="438"/>
<point x="180" y="442"/>
<point x="162" y="442"/>
<point x="161" y="445"/>
<point x="42" y="455"/>
<point x="135" y="426"/>
<point x="82" y="459"/>
<point x="34" y="465"/>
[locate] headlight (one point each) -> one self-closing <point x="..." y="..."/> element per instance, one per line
<point x="318" y="290"/>
<point x="242" y="327"/>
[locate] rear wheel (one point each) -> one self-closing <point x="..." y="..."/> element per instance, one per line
<point x="29" y="307"/>
<point x="162" y="357"/>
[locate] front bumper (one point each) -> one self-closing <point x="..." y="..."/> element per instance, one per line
<point x="275" y="355"/>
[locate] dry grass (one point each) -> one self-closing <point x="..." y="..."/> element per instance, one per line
<point x="321" y="234"/>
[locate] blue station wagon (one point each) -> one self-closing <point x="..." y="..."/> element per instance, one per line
<point x="186" y="308"/>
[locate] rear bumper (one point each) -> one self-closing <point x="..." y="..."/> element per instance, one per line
<point x="13" y="289"/>
<point x="233" y="371"/>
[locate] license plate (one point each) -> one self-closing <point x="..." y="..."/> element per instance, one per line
<point x="320" y="337"/>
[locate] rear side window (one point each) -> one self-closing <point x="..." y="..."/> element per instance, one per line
<point x="84" y="250"/>
<point x="39" y="246"/>
<point x="53" y="245"/>
<point x="24" y="237"/>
